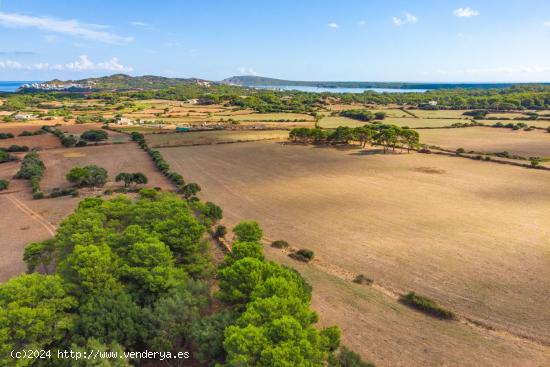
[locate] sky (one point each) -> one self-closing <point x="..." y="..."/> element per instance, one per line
<point x="348" y="40"/>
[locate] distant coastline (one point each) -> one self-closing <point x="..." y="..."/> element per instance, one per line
<point x="13" y="86"/>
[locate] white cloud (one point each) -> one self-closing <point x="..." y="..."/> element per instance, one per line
<point x="83" y="63"/>
<point x="465" y="12"/>
<point x="333" y="25"/>
<point x="139" y="24"/>
<point x="546" y="24"/>
<point x="248" y="71"/>
<point x="408" y="18"/>
<point x="71" y="27"/>
<point x="142" y="25"/>
<point x="362" y="23"/>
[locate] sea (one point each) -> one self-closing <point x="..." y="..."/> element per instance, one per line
<point x="12" y="86"/>
<point x="339" y="90"/>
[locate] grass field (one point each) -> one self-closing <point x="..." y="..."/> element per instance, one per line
<point x="213" y="137"/>
<point x="473" y="236"/>
<point x="533" y="143"/>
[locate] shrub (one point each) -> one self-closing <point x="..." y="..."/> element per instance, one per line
<point x="4" y="184"/>
<point x="279" y="244"/>
<point x="17" y="148"/>
<point x="4" y="156"/>
<point x="348" y="358"/>
<point x="460" y="151"/>
<point x="148" y="193"/>
<point x="535" y="161"/>
<point x="304" y="255"/>
<point x="6" y="135"/>
<point x="220" y="231"/>
<point x="362" y="279"/>
<point x="426" y="305"/>
<point x="81" y="143"/>
<point x="57" y="192"/>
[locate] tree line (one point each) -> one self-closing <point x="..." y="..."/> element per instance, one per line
<point x="389" y="136"/>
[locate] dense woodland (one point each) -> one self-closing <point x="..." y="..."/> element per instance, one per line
<point x="516" y="97"/>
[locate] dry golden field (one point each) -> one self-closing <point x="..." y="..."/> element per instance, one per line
<point x="535" y="143"/>
<point x="474" y="236"/>
<point x="213" y="137"/>
<point x="114" y="158"/>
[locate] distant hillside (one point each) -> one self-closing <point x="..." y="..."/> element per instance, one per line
<point x="124" y="82"/>
<point x="254" y="81"/>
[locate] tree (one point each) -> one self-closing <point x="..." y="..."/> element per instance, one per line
<point x="410" y="138"/>
<point x="149" y="271"/>
<point x="4" y="184"/>
<point x="93" y="344"/>
<point x="364" y="134"/>
<point x="90" y="269"/>
<point x="39" y="254"/>
<point x="111" y="316"/>
<point x="248" y="231"/>
<point x="34" y="314"/>
<point x="212" y="211"/>
<point x="126" y="177"/>
<point x="171" y="318"/>
<point x="190" y="190"/>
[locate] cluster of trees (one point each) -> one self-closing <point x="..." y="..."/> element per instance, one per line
<point x="386" y="135"/>
<point x="131" y="178"/>
<point x="118" y="275"/>
<point x="90" y="176"/>
<point x="94" y="135"/>
<point x="132" y="275"/>
<point x="363" y="115"/>
<point x="32" y="168"/>
<point x="67" y="140"/>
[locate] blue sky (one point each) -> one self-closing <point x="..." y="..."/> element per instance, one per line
<point x="438" y="40"/>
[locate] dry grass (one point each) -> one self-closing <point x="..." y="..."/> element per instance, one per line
<point x="490" y="140"/>
<point x="423" y="122"/>
<point x="473" y="236"/>
<point x="441" y="114"/>
<point x="333" y="122"/>
<point x="114" y="158"/>
<point x="213" y="137"/>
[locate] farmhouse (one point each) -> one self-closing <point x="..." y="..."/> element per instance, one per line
<point x="23" y="116"/>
